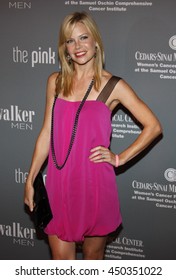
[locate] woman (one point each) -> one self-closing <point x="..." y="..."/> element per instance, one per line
<point x="81" y="182"/>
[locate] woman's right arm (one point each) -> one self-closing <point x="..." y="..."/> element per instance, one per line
<point x="42" y="144"/>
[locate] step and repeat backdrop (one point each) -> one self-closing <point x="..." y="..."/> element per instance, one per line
<point x="140" y="46"/>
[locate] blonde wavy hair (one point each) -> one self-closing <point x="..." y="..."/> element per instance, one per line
<point x="65" y="78"/>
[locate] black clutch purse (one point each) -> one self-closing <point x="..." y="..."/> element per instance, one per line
<point x="42" y="214"/>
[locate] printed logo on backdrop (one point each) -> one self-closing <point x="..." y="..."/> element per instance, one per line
<point x="172" y="42"/>
<point x="157" y="194"/>
<point x="19" y="235"/>
<point x="18" y="118"/>
<point x="21" y="176"/>
<point x="35" y="57"/>
<point x="109" y="6"/>
<point x="123" y="125"/>
<point x="170" y="175"/>
<point x="124" y="247"/>
<point x="20" y="5"/>
<point x="163" y="65"/>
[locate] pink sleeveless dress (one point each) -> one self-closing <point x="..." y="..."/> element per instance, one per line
<point x="83" y="195"/>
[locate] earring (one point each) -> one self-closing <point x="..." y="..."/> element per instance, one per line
<point x="95" y="54"/>
<point x="68" y="58"/>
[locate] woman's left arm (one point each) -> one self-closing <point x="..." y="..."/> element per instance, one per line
<point x="151" y="126"/>
<point x="125" y="95"/>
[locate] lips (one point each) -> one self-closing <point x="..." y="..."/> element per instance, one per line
<point x="80" y="54"/>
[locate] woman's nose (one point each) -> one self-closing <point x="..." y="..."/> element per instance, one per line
<point x="77" y="44"/>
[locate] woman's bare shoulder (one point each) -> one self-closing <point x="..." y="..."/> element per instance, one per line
<point x="107" y="75"/>
<point x="52" y="77"/>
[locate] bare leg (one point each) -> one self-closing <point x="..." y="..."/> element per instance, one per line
<point x="61" y="250"/>
<point x="93" y="248"/>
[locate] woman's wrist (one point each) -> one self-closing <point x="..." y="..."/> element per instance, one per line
<point x="116" y="160"/>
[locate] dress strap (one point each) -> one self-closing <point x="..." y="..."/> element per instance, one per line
<point x="108" y="88"/>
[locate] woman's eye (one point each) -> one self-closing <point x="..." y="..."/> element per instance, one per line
<point x="83" y="37"/>
<point x="69" y="41"/>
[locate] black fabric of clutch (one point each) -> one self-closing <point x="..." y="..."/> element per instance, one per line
<point x="42" y="214"/>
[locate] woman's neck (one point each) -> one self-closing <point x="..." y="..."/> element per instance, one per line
<point x="83" y="72"/>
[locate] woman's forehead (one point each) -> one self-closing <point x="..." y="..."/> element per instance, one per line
<point x="75" y="29"/>
<point x="79" y="28"/>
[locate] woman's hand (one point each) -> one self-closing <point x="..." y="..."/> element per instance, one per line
<point x="102" y="154"/>
<point x="29" y="196"/>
